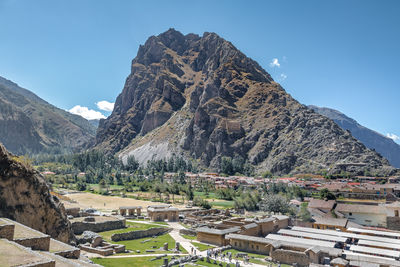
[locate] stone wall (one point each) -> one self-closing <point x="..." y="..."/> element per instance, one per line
<point x="7" y="231"/>
<point x="187" y="232"/>
<point x="140" y="234"/>
<point x="290" y="257"/>
<point x="80" y="226"/>
<point x="101" y="251"/>
<point x="250" y="246"/>
<point x="393" y="223"/>
<point x="214" y="239"/>
<point x="36" y="243"/>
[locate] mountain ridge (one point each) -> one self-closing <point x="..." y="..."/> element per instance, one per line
<point x="29" y="124"/>
<point x="370" y="138"/>
<point x="202" y="98"/>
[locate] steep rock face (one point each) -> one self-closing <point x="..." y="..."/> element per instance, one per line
<point x="203" y="98"/>
<point x="28" y="124"/>
<point x="371" y="139"/>
<point x="25" y="198"/>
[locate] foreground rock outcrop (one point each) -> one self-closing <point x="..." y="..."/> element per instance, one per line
<point x="25" y="198"/>
<point x="200" y="97"/>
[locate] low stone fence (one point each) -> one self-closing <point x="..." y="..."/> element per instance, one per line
<point x="101" y="251"/>
<point x="140" y="234"/>
<point x="187" y="232"/>
<point x="80" y="226"/>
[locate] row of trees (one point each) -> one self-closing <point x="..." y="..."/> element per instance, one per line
<point x="237" y="165"/>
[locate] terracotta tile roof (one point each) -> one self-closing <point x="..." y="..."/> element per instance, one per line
<point x="357" y="208"/>
<point x="330" y="221"/>
<point x="321" y="204"/>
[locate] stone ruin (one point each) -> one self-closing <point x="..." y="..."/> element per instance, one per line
<point x="94" y="243"/>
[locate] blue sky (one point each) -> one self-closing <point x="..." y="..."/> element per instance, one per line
<point x="339" y="54"/>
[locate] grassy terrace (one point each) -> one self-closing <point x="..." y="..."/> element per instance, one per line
<point x="224" y="204"/>
<point x="125" y="262"/>
<point x="142" y="262"/>
<point x="190" y="237"/>
<point x="254" y="258"/>
<point x="139" y="244"/>
<point x="131" y="226"/>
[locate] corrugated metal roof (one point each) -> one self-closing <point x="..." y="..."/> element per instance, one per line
<point x="313" y="236"/>
<point x="378" y="244"/>
<point x="347" y="234"/>
<point x="311" y="242"/>
<point x="353" y="256"/>
<point x="376" y="251"/>
<point x="374" y="232"/>
<point x="217" y="231"/>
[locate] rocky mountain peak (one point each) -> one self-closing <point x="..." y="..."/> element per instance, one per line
<point x="203" y="98"/>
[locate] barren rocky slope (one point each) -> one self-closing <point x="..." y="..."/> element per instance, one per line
<point x="371" y="139"/>
<point x="25" y="198"/>
<point x="201" y="97"/>
<point x="28" y="124"/>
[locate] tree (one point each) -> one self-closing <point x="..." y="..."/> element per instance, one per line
<point x="81" y="186"/>
<point x="304" y="214"/>
<point x="326" y="194"/>
<point x="226" y="165"/>
<point x="275" y="203"/>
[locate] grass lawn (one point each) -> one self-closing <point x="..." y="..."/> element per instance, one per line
<point x="222" y="203"/>
<point x="185" y="225"/>
<point x="157" y="242"/>
<point x="255" y="258"/>
<point x="201" y="246"/>
<point x="142" y="262"/>
<point x="203" y="195"/>
<point x="143" y="220"/>
<point x="190" y="237"/>
<point x="131" y="226"/>
<point x="125" y="262"/>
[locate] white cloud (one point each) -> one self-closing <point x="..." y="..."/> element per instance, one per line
<point x="393" y="137"/>
<point x="282" y="77"/>
<point x="274" y="63"/>
<point x="88" y="114"/>
<point x="105" y="105"/>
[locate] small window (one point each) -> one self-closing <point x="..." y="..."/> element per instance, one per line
<point x="252" y="246"/>
<point x="396" y="213"/>
<point x="257" y="248"/>
<point x="350" y="213"/>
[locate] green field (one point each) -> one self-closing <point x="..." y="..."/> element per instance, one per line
<point x="131" y="226"/>
<point x="201" y="246"/>
<point x="222" y="204"/>
<point x="203" y="195"/>
<point x="190" y="237"/>
<point x="128" y="262"/>
<point x="142" y="262"/>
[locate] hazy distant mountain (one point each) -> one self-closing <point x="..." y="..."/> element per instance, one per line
<point x="374" y="140"/>
<point x="95" y="122"/>
<point x="200" y="97"/>
<point x="28" y="124"/>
